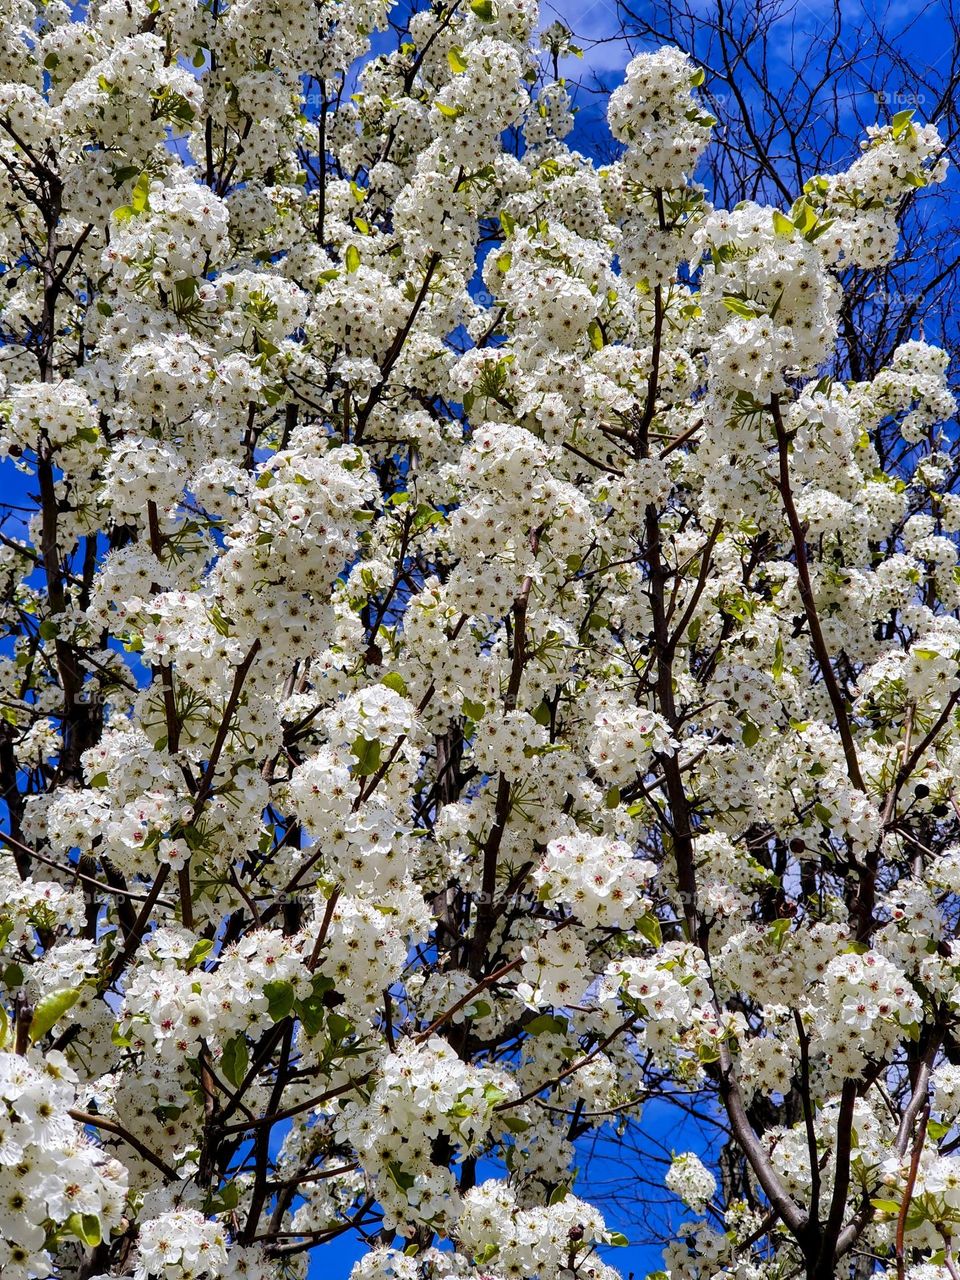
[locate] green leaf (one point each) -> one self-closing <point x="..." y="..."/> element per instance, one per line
<point x="199" y="952"/>
<point x="85" y="1226"/>
<point x="698" y="77"/>
<point x="456" y="61"/>
<point x="395" y="681"/>
<point x="367" y="754"/>
<point x="352" y="258"/>
<point x="185" y="290"/>
<point x="475" y="710"/>
<point x="280" y="997"/>
<point x="515" y="1125"/>
<point x="782" y="224"/>
<point x="740" y="307"/>
<point x="140" y="199"/>
<point x="426" y="516"/>
<point x="48" y="629"/>
<point x="483" y="9"/>
<point x="617" y="1239"/>
<point x="596" y="335"/>
<point x="824" y="224"/>
<point x="235" y="1060"/>
<point x="804" y="216"/>
<point x="777" y="669"/>
<point x="230" y="1195"/>
<point x="547" y="1023"/>
<point x="4" y="1026"/>
<point x="118" y="1038"/>
<point x="226" y="1199"/>
<point x="310" y="1011"/>
<point x="50" y="1010"/>
<point x="886" y="1206"/>
<point x="901" y="122"/>
<point x="338" y="1026"/>
<point x="449" y="113"/>
<point x="648" y="926"/>
<point x="541" y="715"/>
<point x="750" y="734"/>
<point x="123" y="173"/>
<point x="778" y="931"/>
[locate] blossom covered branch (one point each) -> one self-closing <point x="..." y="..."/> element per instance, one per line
<point x="470" y="668"/>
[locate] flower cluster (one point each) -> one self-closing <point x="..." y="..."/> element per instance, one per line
<point x="52" y="1178"/>
<point x="424" y="1094"/>
<point x="690" y="1179"/>
<point x="599" y="879"/>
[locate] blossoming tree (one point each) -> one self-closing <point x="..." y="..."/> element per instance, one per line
<point x="469" y="667"/>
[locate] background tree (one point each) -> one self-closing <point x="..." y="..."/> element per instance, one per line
<point x="472" y="664"/>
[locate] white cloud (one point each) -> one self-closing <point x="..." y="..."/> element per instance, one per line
<point x="596" y="28"/>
